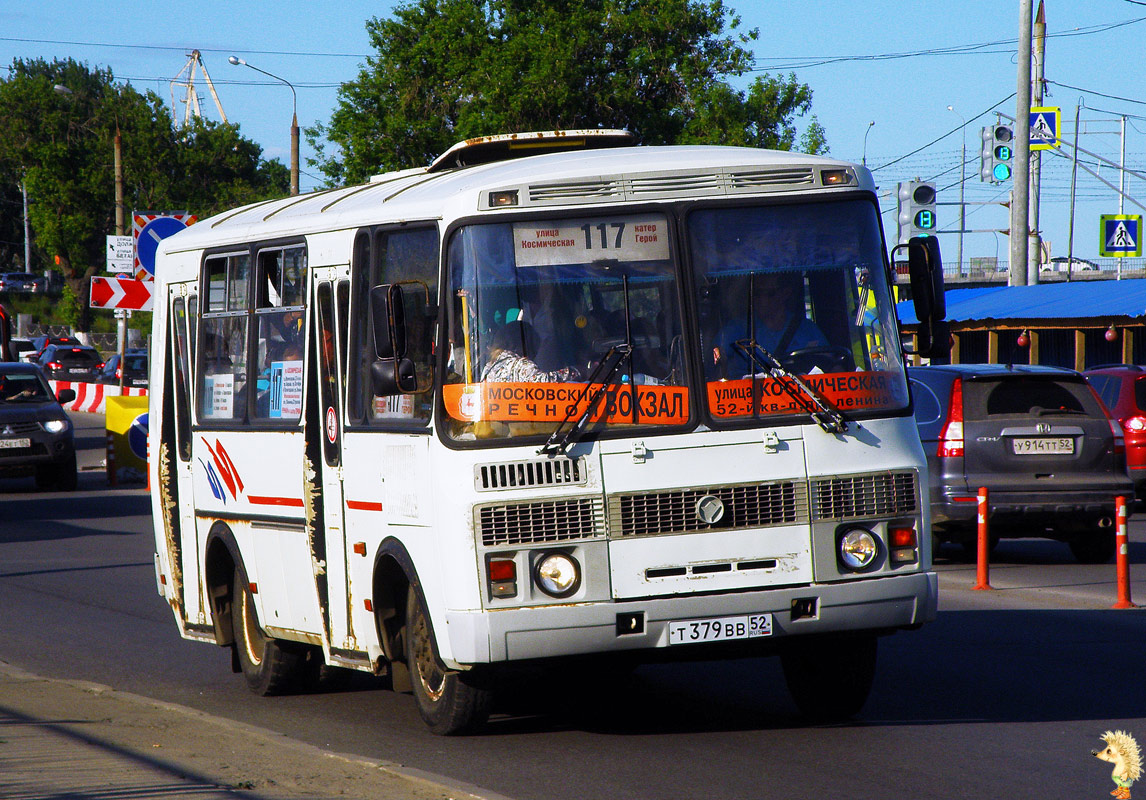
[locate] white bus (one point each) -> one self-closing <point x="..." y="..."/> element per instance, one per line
<point x="551" y="396"/>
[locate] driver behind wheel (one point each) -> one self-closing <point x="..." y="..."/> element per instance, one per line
<point x="781" y="327"/>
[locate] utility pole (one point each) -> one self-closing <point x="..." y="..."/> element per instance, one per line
<point x="1073" y="182"/>
<point x="1020" y="227"/>
<point x="1122" y="186"/>
<point x="1035" y="250"/>
<point x="27" y="229"/>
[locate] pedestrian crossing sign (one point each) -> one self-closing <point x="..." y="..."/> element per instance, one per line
<point x="1045" y="127"/>
<point x="1121" y="235"/>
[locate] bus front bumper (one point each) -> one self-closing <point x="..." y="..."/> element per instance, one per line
<point x="879" y="604"/>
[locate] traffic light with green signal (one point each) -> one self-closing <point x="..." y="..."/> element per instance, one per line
<point x="996" y="153"/>
<point x="916" y="209"/>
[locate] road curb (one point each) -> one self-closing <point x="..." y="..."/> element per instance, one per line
<point x="66" y="700"/>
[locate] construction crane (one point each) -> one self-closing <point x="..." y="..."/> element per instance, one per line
<point x="191" y="96"/>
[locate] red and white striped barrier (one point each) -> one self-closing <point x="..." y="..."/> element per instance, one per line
<point x="91" y="396"/>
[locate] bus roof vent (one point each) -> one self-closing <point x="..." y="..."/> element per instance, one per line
<point x="575" y="191"/>
<point x="676" y="184"/>
<point x="755" y="180"/>
<point x="504" y="146"/>
<point x="528" y="474"/>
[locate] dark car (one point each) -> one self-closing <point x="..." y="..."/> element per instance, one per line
<point x="1122" y="388"/>
<point x="134" y="369"/>
<point x="21" y="282"/>
<point x="70" y="363"/>
<point x="35" y="432"/>
<point x="20" y="348"/>
<point x="1037" y="438"/>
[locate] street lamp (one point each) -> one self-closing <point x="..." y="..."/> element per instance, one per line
<point x="293" y="122"/>
<point x="962" y="183"/>
<point x="870" y="125"/>
<point x="121" y="327"/>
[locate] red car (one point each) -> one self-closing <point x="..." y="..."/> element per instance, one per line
<point x="1122" y="388"/>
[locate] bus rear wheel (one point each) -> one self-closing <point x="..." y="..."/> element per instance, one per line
<point x="450" y="702"/>
<point x="830" y="678"/>
<point x="269" y="666"/>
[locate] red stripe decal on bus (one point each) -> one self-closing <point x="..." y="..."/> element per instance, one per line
<point x="362" y="505"/>
<point x="275" y="501"/>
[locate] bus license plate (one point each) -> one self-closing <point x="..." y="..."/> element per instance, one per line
<point x="12" y="444"/>
<point x="690" y="631"/>
<point x="1055" y="445"/>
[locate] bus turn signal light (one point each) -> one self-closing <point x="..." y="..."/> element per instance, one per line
<point x="502" y="577"/>
<point x="903" y="545"/>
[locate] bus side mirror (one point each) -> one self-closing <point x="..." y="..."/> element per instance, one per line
<point x="388" y="320"/>
<point x="925" y="267"/>
<point x="391" y="376"/>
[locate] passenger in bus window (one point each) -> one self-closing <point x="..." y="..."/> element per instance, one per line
<point x="507" y="362"/>
<point x="781" y="326"/>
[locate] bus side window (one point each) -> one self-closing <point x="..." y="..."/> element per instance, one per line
<point x="222" y="377"/>
<point x="279" y="308"/>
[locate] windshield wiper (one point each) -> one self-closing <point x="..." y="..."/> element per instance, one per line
<point x="818" y="408"/>
<point x="601" y="377"/>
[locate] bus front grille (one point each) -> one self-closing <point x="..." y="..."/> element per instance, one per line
<point x="852" y="496"/>
<point x="529" y="474"/>
<point x="746" y="506"/>
<point x="542" y="521"/>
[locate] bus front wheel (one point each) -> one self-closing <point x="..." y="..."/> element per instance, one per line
<point x="450" y="702"/>
<point x="830" y="677"/>
<point x="269" y="666"/>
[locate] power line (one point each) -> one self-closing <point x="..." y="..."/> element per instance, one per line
<point x="966" y="49"/>
<point x="184" y="49"/>
<point x="944" y="136"/>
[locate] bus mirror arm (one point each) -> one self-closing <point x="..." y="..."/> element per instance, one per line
<point x="388" y="321"/>
<point x="925" y="268"/>
<point x="392" y="376"/>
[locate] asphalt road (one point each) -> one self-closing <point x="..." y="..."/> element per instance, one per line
<point x="1004" y="696"/>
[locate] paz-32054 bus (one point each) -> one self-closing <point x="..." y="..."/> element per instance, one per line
<point x="551" y="396"/>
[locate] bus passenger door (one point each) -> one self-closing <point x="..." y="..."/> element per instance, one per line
<point x="330" y="338"/>
<point x="176" y="441"/>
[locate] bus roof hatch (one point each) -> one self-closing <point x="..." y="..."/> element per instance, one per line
<point x="504" y="146"/>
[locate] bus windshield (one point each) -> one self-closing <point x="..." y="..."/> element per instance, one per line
<point x="801" y="286"/>
<point x="537" y="306"/>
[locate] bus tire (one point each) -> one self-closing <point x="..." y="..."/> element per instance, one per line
<point x="450" y="702"/>
<point x="830" y="678"/>
<point x="270" y="667"/>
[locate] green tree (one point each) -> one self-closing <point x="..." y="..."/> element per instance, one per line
<point x="61" y="142"/>
<point x="448" y="70"/>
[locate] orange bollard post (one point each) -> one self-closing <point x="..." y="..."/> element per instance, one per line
<point x="983" y="569"/>
<point x="1122" y="540"/>
<point x="112" y="477"/>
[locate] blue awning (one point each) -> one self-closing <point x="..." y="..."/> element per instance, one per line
<point x="1102" y="299"/>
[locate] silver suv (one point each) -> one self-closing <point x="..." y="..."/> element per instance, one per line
<point x="1037" y="437"/>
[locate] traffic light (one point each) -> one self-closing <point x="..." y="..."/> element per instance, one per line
<point x="997" y="152"/>
<point x="916" y="209"/>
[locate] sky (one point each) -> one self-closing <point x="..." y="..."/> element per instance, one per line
<point x="897" y="63"/>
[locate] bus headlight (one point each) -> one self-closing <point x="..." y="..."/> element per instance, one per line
<point x="557" y="574"/>
<point x="858" y="548"/>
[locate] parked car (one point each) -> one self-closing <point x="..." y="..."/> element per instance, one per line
<point x="35" y="433"/>
<point x="1037" y="438"/>
<point x="15" y="282"/>
<point x="134" y="369"/>
<point x="64" y="362"/>
<point x="1061" y="264"/>
<point x="1122" y="388"/>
